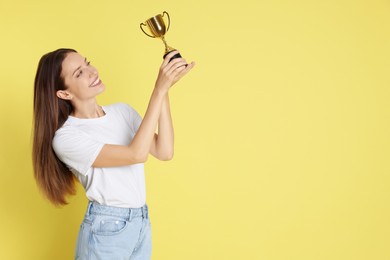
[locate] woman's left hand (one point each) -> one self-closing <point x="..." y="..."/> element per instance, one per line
<point x="172" y="71"/>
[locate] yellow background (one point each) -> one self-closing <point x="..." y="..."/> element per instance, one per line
<point x="282" y="128"/>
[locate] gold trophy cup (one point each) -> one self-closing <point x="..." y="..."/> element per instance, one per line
<point x="158" y="29"/>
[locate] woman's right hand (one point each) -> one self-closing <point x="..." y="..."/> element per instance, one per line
<point x="172" y="71"/>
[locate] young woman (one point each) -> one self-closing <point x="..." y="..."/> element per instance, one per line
<point x="104" y="147"/>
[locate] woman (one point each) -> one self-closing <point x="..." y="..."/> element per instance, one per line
<point x="104" y="147"/>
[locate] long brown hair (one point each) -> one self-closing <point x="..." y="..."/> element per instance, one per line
<point x="50" y="112"/>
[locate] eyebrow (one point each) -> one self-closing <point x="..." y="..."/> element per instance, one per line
<point x="85" y="60"/>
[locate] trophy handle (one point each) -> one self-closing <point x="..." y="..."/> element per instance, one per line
<point x="169" y="19"/>
<point x="140" y="26"/>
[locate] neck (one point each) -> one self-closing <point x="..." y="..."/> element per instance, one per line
<point x="88" y="110"/>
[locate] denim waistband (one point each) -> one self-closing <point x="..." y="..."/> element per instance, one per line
<point x="128" y="213"/>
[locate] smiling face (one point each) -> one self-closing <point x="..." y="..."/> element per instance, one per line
<point x="81" y="79"/>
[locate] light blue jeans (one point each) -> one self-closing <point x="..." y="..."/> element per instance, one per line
<point x="111" y="233"/>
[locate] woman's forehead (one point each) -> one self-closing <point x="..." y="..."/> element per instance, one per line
<point x="71" y="63"/>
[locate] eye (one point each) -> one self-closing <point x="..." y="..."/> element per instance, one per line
<point x="81" y="71"/>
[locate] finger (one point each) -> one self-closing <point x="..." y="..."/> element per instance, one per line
<point x="169" y="56"/>
<point x="171" y="66"/>
<point x="189" y="67"/>
<point x="184" y="66"/>
<point x="175" y="62"/>
<point x="185" y="70"/>
<point x="175" y="65"/>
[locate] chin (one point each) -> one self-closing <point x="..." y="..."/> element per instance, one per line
<point x="102" y="88"/>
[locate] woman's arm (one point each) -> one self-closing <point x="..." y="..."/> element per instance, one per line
<point x="162" y="145"/>
<point x="139" y="148"/>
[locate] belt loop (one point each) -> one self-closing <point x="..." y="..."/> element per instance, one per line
<point x="130" y="215"/>
<point x="89" y="208"/>
<point x="145" y="211"/>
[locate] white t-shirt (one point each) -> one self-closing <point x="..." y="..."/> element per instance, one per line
<point x="78" y="142"/>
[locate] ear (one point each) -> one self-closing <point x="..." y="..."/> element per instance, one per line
<point x="63" y="94"/>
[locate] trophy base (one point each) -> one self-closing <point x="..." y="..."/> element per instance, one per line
<point x="173" y="57"/>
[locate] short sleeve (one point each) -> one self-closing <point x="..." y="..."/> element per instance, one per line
<point x="133" y="117"/>
<point x="76" y="149"/>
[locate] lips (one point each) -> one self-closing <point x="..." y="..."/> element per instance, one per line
<point x="95" y="83"/>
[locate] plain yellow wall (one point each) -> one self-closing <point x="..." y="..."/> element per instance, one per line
<point x="282" y="128"/>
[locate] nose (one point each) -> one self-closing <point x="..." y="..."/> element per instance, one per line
<point x="92" y="72"/>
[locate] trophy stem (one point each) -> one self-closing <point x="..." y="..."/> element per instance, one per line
<point x="167" y="48"/>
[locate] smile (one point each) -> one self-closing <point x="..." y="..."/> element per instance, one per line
<point x="95" y="83"/>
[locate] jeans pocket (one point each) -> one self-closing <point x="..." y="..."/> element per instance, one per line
<point x="109" y="226"/>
